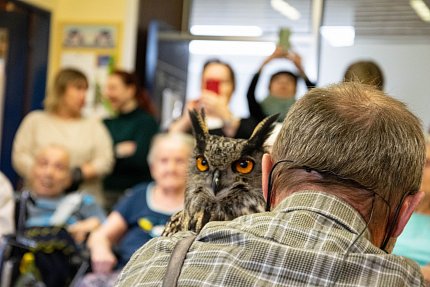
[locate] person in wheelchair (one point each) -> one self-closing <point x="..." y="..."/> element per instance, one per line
<point x="51" y="225"/>
<point x="49" y="179"/>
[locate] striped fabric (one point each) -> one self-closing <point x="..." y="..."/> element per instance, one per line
<point x="301" y="243"/>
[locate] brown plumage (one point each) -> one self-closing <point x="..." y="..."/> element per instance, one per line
<point x="224" y="177"/>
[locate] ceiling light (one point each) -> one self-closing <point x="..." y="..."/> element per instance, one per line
<point x="339" y="36"/>
<point x="285" y="9"/>
<point x="244" y="48"/>
<point x="226" y="30"/>
<point x="421" y="9"/>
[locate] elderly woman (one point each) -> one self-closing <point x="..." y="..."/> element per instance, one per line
<point x="87" y="140"/>
<point x="143" y="212"/>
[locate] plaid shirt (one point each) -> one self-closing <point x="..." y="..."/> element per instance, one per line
<point x="302" y="242"/>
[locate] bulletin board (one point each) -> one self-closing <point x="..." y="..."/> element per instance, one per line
<point x="93" y="48"/>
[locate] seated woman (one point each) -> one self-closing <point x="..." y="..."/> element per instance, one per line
<point x="49" y="178"/>
<point x="144" y="211"/>
<point x="414" y="242"/>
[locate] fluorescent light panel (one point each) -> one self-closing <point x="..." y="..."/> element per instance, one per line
<point x="226" y="30"/>
<point x="285" y="9"/>
<point x="243" y="48"/>
<point x="421" y="9"/>
<point x="339" y="36"/>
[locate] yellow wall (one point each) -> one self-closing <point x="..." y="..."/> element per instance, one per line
<point x="89" y="11"/>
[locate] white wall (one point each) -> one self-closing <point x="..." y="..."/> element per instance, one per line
<point x="406" y="69"/>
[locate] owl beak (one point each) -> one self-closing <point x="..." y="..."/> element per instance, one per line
<point x="216" y="181"/>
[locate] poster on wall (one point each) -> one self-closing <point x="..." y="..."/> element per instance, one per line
<point x="92" y="48"/>
<point x="96" y="36"/>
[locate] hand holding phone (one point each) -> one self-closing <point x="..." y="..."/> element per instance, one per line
<point x="212" y="85"/>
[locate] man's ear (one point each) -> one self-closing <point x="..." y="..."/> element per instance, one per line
<point x="408" y="207"/>
<point x="266" y="166"/>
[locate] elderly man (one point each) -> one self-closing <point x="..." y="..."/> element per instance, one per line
<point x="342" y="181"/>
<point x="49" y="179"/>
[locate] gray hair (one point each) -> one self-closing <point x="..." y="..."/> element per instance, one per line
<point x="355" y="132"/>
<point x="178" y="137"/>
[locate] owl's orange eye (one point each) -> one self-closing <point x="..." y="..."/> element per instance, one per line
<point x="243" y="166"/>
<point x="201" y="163"/>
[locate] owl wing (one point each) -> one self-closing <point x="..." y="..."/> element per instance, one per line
<point x="174" y="225"/>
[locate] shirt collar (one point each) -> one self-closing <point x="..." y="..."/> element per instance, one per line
<point x="327" y="205"/>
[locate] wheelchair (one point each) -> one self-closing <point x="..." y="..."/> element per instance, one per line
<point x="56" y="256"/>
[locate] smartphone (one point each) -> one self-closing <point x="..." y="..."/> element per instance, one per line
<point x="212" y="85"/>
<point x="284" y="38"/>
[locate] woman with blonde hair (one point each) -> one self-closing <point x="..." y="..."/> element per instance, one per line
<point x="61" y="123"/>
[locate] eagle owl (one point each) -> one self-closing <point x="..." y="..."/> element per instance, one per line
<point x="224" y="177"/>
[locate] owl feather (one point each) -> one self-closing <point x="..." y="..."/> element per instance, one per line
<point x="224" y="177"/>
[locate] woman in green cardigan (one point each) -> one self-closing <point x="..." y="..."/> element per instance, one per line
<point x="132" y="130"/>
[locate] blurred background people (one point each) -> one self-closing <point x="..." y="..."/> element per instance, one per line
<point x="131" y="130"/>
<point x="282" y="87"/>
<point x="217" y="87"/>
<point x="48" y="181"/>
<point x="365" y="72"/>
<point x="7" y="206"/>
<point x="87" y="140"/>
<point x="143" y="212"/>
<point x="414" y="242"/>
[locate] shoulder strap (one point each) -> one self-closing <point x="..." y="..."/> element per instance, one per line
<point x="177" y="260"/>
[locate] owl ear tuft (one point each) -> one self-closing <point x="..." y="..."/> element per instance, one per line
<point x="200" y="129"/>
<point x="260" y="134"/>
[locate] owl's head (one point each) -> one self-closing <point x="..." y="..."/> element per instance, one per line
<point x="225" y="174"/>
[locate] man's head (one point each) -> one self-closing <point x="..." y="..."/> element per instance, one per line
<point x="365" y="72"/>
<point x="50" y="175"/>
<point x="353" y="141"/>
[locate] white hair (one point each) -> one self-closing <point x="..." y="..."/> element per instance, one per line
<point x="177" y="137"/>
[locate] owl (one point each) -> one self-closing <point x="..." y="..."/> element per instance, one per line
<point x="224" y="177"/>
